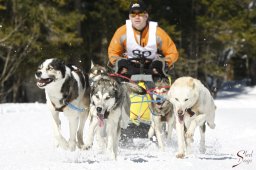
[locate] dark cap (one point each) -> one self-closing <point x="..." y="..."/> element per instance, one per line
<point x="138" y="5"/>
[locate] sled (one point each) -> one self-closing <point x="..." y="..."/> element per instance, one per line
<point x="140" y="104"/>
<point x="140" y="109"/>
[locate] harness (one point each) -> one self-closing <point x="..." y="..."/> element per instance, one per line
<point x="68" y="98"/>
<point x="70" y="105"/>
<point x="160" y="100"/>
<point x="164" y="117"/>
<point x="190" y="112"/>
<point x="60" y="109"/>
<point x="145" y="99"/>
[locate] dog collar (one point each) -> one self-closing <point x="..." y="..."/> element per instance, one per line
<point x="60" y="109"/>
<point x="164" y="117"/>
<point x="106" y="114"/>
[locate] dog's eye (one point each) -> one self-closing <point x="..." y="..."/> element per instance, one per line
<point x="186" y="100"/>
<point x="176" y="99"/>
<point x="50" y="68"/>
<point x="108" y="97"/>
<point x="164" y="91"/>
<point x="97" y="96"/>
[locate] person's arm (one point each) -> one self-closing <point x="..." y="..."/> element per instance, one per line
<point x="167" y="47"/>
<point x="116" y="46"/>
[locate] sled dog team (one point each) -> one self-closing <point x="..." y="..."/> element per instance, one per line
<point x="187" y="104"/>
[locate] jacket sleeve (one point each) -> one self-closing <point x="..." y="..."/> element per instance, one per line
<point x="117" y="46"/>
<point x="167" y="47"/>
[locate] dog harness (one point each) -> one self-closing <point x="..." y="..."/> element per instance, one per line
<point x="190" y="112"/>
<point x="59" y="109"/>
<point x="70" y="105"/>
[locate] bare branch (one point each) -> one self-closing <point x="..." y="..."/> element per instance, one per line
<point x="11" y="33"/>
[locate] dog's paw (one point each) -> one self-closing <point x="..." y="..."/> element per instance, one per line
<point x="202" y="149"/>
<point x="56" y="144"/>
<point x="80" y="145"/>
<point x="72" y="145"/>
<point x="189" y="140"/>
<point x="189" y="135"/>
<point x="86" y="147"/>
<point x="161" y="149"/>
<point x="63" y="144"/>
<point x="211" y="125"/>
<point x="180" y="155"/>
<point x="111" y="155"/>
<point x="150" y="133"/>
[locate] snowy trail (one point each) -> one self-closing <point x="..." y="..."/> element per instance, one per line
<point x="27" y="143"/>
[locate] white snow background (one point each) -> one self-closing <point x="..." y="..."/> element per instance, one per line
<point x="26" y="141"/>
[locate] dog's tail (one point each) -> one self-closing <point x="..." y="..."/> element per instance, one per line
<point x="134" y="88"/>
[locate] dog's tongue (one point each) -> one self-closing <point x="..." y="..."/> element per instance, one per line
<point x="181" y="117"/>
<point x="101" y="119"/>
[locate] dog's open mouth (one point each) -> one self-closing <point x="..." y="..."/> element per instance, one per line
<point x="181" y="117"/>
<point x="44" y="82"/>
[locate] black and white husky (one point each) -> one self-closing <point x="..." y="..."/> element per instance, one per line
<point x="110" y="110"/>
<point x="67" y="91"/>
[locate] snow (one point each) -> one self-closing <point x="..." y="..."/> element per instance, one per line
<point x="26" y="141"/>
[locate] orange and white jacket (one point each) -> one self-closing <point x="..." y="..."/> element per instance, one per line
<point x="164" y="43"/>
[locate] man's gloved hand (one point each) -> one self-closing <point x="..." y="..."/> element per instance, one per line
<point x="157" y="67"/>
<point x="155" y="71"/>
<point x="123" y="70"/>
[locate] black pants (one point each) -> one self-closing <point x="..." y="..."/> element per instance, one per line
<point x="148" y="66"/>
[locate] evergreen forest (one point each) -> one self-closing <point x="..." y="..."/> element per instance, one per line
<point x="215" y="38"/>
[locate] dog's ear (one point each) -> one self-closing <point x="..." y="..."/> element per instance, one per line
<point x="191" y="83"/>
<point x="169" y="93"/>
<point x="58" y="61"/>
<point x="92" y="64"/>
<point x="113" y="83"/>
<point x="116" y="92"/>
<point x="135" y="88"/>
<point x="166" y="81"/>
<point x="59" y="65"/>
<point x="93" y="87"/>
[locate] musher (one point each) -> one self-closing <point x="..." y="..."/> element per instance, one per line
<point x="140" y="37"/>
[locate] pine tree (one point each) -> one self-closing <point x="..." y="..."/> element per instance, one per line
<point x="30" y="31"/>
<point x="226" y="24"/>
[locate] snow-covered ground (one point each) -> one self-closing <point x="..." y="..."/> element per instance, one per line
<point x="26" y="142"/>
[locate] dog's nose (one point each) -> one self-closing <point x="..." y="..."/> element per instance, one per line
<point x="180" y="112"/>
<point x="158" y="100"/>
<point x="38" y="73"/>
<point x="99" y="109"/>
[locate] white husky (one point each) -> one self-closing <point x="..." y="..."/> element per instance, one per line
<point x="193" y="106"/>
